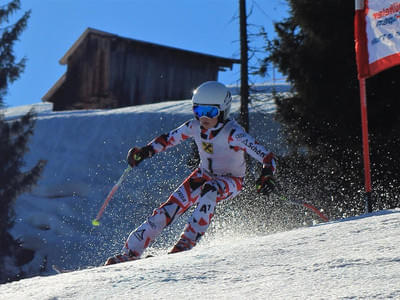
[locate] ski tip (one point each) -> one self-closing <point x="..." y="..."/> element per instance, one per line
<point x="60" y="270"/>
<point x="95" y="222"/>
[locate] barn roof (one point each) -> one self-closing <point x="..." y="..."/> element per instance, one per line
<point x="221" y="61"/>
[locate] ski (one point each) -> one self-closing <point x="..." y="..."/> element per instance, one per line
<point x="309" y="206"/>
<point x="60" y="270"/>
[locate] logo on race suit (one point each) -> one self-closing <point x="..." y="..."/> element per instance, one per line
<point x="208" y="147"/>
<point x="253" y="146"/>
<point x="139" y="234"/>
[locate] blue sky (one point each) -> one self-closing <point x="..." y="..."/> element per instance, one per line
<point x="206" y="26"/>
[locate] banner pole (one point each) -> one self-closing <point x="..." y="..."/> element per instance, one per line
<point x="364" y="124"/>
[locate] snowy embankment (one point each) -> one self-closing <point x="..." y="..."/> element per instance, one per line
<point x="356" y="258"/>
<point x="353" y="258"/>
<point x="86" y="153"/>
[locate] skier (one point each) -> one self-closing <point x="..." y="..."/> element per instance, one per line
<point x="221" y="143"/>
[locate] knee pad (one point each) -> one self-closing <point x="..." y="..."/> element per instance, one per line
<point x="158" y="219"/>
<point x="208" y="187"/>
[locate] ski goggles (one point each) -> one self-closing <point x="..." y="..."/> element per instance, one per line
<point x="208" y="111"/>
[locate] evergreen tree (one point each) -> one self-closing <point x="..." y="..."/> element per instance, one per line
<point x="315" y="49"/>
<point x="10" y="70"/>
<point x="14" y="137"/>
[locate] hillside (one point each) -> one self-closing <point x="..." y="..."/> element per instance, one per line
<point x="86" y="153"/>
<point x="356" y="258"/>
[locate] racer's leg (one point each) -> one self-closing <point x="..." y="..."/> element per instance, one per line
<point x="212" y="192"/>
<point x="184" y="196"/>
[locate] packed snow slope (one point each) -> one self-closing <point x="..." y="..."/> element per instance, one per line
<point x="85" y="152"/>
<point x="356" y="258"/>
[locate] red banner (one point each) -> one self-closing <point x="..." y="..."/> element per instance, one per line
<point x="377" y="36"/>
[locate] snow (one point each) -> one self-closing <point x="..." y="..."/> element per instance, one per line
<point x="15" y="112"/>
<point x="349" y="259"/>
<point x="85" y="150"/>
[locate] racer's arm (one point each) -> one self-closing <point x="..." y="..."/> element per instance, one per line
<point x="173" y="138"/>
<point x="241" y="140"/>
<point x="161" y="143"/>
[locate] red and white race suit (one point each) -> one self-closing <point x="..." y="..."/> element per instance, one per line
<point x="218" y="177"/>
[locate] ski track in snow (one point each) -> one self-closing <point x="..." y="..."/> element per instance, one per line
<point x="357" y="258"/>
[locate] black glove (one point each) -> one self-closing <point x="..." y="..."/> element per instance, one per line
<point x="137" y="155"/>
<point x="266" y="184"/>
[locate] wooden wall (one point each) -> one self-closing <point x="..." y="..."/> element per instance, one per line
<point x="110" y="71"/>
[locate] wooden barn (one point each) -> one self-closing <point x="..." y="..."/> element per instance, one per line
<point x="106" y="71"/>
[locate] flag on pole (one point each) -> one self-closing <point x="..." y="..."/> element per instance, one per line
<point x="377" y="35"/>
<point x="377" y="45"/>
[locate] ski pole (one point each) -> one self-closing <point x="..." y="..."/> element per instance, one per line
<point x="96" y="222"/>
<point x="306" y="205"/>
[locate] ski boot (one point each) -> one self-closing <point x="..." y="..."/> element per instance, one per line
<point x="182" y="245"/>
<point x="119" y="258"/>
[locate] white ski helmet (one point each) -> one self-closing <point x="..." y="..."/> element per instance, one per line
<point x="216" y="94"/>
